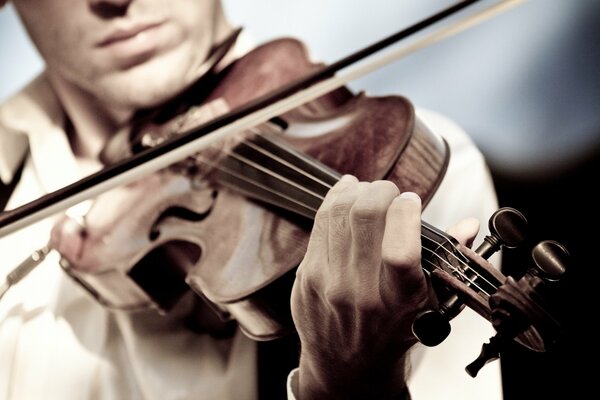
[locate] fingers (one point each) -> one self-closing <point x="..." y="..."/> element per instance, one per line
<point x="360" y="228"/>
<point x="401" y="246"/>
<point x="67" y="237"/>
<point x="349" y="224"/>
<point x="367" y="223"/>
<point x="319" y="238"/>
<point x="340" y="234"/>
<point x="465" y="231"/>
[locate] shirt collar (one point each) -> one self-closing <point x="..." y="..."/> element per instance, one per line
<point x="33" y="119"/>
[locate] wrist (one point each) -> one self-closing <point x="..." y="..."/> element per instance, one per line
<point x="351" y="380"/>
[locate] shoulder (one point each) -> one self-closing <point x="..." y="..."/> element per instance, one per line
<point x="31" y="108"/>
<point x="460" y="143"/>
<point x="34" y="104"/>
<point x="467" y="189"/>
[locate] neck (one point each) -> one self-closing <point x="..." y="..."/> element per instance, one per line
<point x="93" y="122"/>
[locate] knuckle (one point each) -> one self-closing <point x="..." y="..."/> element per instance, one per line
<point x="387" y="187"/>
<point x="322" y="214"/>
<point x="365" y="212"/>
<point x="369" y="302"/>
<point x="340" y="209"/>
<point x="319" y="231"/>
<point x="401" y="257"/>
<point x="341" y="187"/>
<point x="337" y="296"/>
<point x="308" y="281"/>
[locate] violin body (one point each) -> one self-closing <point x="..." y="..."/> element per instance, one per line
<point x="217" y="222"/>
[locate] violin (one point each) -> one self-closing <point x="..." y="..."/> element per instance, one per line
<point x="264" y="185"/>
<point x="201" y="231"/>
<point x="274" y="163"/>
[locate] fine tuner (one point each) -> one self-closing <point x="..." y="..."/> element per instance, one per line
<point x="513" y="308"/>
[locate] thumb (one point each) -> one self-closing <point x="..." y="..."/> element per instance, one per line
<point x="465" y="231"/>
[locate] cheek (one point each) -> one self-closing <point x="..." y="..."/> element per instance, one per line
<point x="62" y="50"/>
<point x="196" y="17"/>
<point x="50" y="27"/>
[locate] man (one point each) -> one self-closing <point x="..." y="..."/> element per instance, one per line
<point x="352" y="304"/>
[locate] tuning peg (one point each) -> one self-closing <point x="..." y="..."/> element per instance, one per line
<point x="431" y="327"/>
<point x="550" y="260"/>
<point x="508" y="227"/>
<point x="489" y="352"/>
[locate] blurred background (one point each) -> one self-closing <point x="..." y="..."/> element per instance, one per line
<point x="524" y="85"/>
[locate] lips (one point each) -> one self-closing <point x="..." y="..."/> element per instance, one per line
<point x="129" y="45"/>
<point x="125" y="33"/>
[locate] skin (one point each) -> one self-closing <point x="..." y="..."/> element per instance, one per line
<point x="360" y="284"/>
<point x="358" y="290"/>
<point x="357" y="294"/>
<point x="100" y="86"/>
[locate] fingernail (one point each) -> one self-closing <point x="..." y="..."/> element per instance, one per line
<point x="348" y="178"/>
<point x="410" y="196"/>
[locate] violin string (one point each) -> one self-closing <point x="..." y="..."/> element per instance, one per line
<point x="454" y="269"/>
<point x="481" y="291"/>
<point x="290" y="165"/>
<point x="259" y="167"/>
<point x="310" y="176"/>
<point x="282" y="145"/>
<point x="270" y="173"/>
<point x="458" y="272"/>
<point x="452" y="254"/>
<point x="466" y="266"/>
<point x="461" y="273"/>
<point x="244" y="178"/>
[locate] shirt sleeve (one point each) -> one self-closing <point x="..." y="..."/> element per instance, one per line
<point x="292" y="385"/>
<point x="466" y="190"/>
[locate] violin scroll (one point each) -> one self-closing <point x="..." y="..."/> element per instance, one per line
<point x="508" y="228"/>
<point x="519" y="309"/>
<point x="524" y="305"/>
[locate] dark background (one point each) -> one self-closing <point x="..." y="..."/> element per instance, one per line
<point x="560" y="207"/>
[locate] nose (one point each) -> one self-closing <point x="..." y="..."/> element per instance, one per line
<point x="107" y="9"/>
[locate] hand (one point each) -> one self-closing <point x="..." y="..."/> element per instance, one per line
<point x="358" y="290"/>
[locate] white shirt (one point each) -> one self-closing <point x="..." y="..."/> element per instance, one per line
<point x="58" y="343"/>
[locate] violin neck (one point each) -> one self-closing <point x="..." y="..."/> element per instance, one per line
<point x="266" y="168"/>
